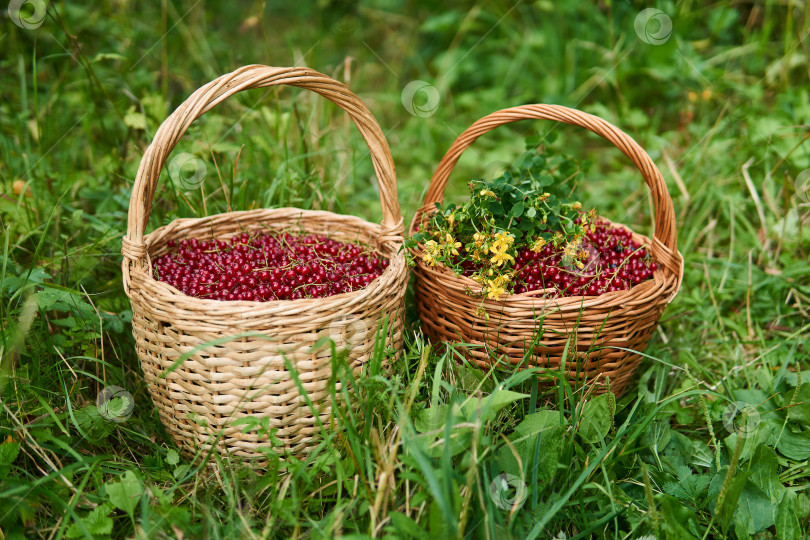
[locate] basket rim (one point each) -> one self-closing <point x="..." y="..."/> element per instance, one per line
<point x="164" y="233"/>
<point x="462" y="283"/>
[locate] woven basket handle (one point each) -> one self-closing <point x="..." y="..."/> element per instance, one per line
<point x="664" y="211"/>
<point x="245" y="78"/>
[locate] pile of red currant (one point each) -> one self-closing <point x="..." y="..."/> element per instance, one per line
<point x="264" y="267"/>
<point x="614" y="262"/>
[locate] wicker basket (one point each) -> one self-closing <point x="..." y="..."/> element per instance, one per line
<point x="603" y="330"/>
<point x="227" y="378"/>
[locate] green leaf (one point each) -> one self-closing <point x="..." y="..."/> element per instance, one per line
<point x="679" y="521"/>
<point x="14" y="283"/>
<point x="795" y="446"/>
<point x="52" y="298"/>
<point x="726" y="512"/>
<point x="125" y="493"/>
<point x="658" y="436"/>
<point x="8" y="453"/>
<point x="404" y="525"/>
<point x="787" y="522"/>
<point x="97" y="522"/>
<point x="181" y="471"/>
<point x="544" y="180"/>
<point x="702" y="455"/>
<point x="800" y="412"/>
<point x="595" y="419"/>
<point x="431" y="426"/>
<point x="496" y="208"/>
<point x="765" y="473"/>
<point x="538" y="441"/>
<point x="172" y="457"/>
<point x="803" y="504"/>
<point x="92" y="424"/>
<point x="431" y="418"/>
<point x="134" y="119"/>
<point x="534" y="423"/>
<point x="490" y="405"/>
<point x="689" y="487"/>
<point x="531" y="212"/>
<point x="517" y="210"/>
<point x="754" y="509"/>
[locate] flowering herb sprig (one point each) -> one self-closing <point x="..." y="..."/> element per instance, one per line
<point x="527" y="207"/>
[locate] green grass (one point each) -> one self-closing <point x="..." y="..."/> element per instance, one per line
<point x="721" y="106"/>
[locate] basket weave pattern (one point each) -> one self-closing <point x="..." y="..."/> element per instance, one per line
<point x="596" y="329"/>
<point x="241" y="351"/>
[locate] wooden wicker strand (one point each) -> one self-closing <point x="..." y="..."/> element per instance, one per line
<point x="603" y="325"/>
<point x="239" y="352"/>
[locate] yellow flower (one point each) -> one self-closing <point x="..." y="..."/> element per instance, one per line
<point x="451" y="219"/>
<point x="477" y="278"/>
<point x="500" y="256"/>
<point x="431" y="250"/>
<point x="504" y="237"/>
<point x="544" y="196"/>
<point x="577" y="206"/>
<point x="494" y="290"/>
<point x="571" y="249"/>
<point x="479" y="239"/>
<point x="487" y="193"/>
<point x="452" y="244"/>
<point x="538" y="245"/>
